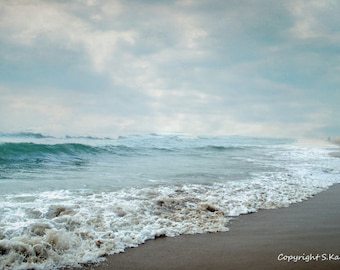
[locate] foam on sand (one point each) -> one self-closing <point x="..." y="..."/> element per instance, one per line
<point x="54" y="229"/>
<point x="304" y="236"/>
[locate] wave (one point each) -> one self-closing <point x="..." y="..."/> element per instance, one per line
<point x="24" y="152"/>
<point x="35" y="135"/>
<point x="25" y="149"/>
<point x="36" y="148"/>
<point x="31" y="155"/>
<point x="220" y="148"/>
<point x="28" y="153"/>
<point x="29" y="148"/>
<point x="88" y="137"/>
<point x="26" y="135"/>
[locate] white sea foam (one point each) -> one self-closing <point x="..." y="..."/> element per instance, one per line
<point x="68" y="228"/>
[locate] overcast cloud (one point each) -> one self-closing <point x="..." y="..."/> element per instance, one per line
<point x="106" y="68"/>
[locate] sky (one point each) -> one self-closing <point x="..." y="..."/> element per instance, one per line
<point x="199" y="67"/>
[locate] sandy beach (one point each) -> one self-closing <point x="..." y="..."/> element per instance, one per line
<point x="303" y="236"/>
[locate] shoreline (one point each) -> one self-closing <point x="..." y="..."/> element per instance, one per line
<point x="307" y="233"/>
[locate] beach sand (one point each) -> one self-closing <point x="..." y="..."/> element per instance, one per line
<point x="255" y="241"/>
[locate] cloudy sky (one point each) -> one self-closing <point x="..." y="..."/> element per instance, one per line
<point x="110" y="67"/>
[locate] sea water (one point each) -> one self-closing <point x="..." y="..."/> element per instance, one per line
<point x="72" y="200"/>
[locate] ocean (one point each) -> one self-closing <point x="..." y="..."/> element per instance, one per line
<point x="72" y="200"/>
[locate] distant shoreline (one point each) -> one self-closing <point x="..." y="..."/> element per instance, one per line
<point x="335" y="140"/>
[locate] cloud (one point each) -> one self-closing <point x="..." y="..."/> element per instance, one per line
<point x="315" y="19"/>
<point x="240" y="67"/>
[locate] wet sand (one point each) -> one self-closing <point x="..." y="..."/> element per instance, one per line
<point x="262" y="240"/>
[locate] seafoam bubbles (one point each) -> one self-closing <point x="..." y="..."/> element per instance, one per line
<point x="67" y="228"/>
